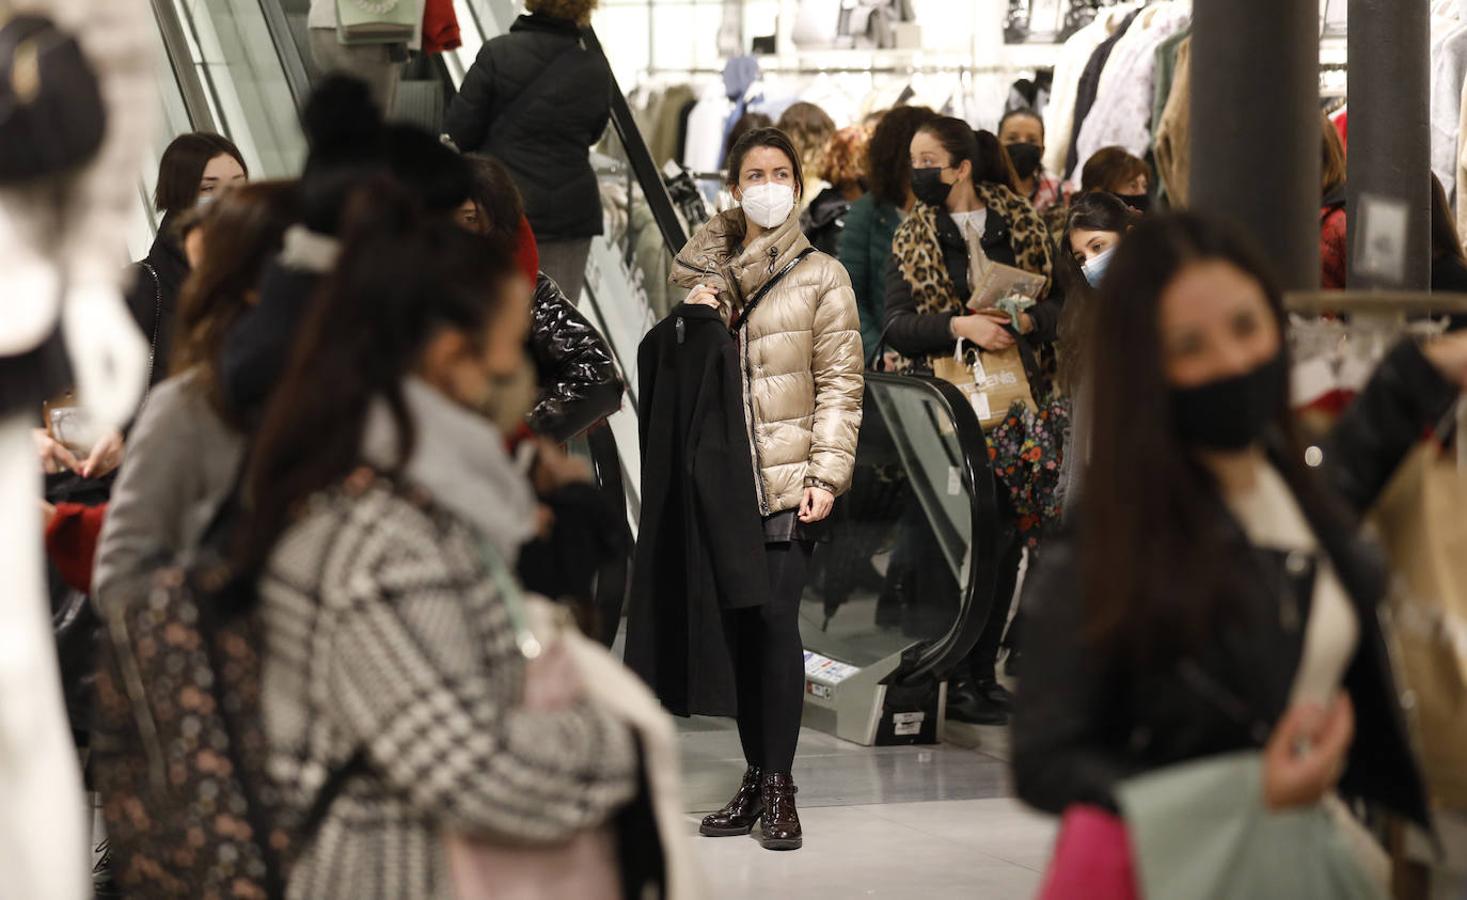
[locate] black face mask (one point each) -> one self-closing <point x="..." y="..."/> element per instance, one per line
<point x="928" y="186"/>
<point x="1026" y="159"/>
<point x="1141" y="203"/>
<point x="1233" y="413"/>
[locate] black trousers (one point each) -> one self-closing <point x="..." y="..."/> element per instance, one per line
<point x="983" y="659"/>
<point x="769" y="661"/>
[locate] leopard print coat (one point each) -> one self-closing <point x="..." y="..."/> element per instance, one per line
<point x="918" y="253"/>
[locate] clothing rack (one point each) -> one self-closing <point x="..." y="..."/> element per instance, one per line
<point x="1374" y="303"/>
<point x="1010" y="69"/>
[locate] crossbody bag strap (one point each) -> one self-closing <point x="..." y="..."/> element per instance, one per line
<point x="768" y="286"/>
<point x="157" y="327"/>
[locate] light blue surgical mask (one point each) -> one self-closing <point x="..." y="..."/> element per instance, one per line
<point x="1095" y="269"/>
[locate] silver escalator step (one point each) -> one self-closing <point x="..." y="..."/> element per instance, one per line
<point x="420" y="103"/>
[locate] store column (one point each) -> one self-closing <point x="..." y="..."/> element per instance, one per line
<point x="1390" y="141"/>
<point x="1255" y="125"/>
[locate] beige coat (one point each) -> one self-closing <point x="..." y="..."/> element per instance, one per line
<point x="801" y="348"/>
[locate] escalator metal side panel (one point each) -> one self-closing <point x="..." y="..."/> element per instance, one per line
<point x="640" y="157"/>
<point x="977" y="587"/>
<point x="291" y="43"/>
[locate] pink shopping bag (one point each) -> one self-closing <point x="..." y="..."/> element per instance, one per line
<point x="1092" y="858"/>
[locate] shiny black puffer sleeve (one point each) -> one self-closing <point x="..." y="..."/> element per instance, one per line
<point x="579" y="383"/>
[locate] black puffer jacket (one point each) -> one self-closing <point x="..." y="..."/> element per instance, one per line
<point x="579" y="384"/>
<point x="1085" y="719"/>
<point x="546" y="137"/>
<point x="824" y="221"/>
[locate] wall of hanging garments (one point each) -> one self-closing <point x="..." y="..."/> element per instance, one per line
<point x="1448" y="104"/>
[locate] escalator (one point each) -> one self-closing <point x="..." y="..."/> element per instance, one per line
<point x="903" y="590"/>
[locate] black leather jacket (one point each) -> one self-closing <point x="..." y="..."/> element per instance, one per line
<point x="1085" y="720"/>
<point x="579" y="384"/>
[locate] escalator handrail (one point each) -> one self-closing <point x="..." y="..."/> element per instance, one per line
<point x="180" y="60"/>
<point x="289" y="51"/>
<point x="674" y="236"/>
<point x="976" y="595"/>
<point x="612" y="581"/>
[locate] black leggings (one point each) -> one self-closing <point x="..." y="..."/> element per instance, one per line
<point x="769" y="662"/>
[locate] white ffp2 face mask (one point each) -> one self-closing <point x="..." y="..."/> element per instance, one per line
<point x="769" y="205"/>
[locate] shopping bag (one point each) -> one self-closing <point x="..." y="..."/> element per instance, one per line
<point x="1200" y="830"/>
<point x="1092" y="858"/>
<point x="992" y="380"/>
<point x="1422" y="524"/>
<point x="376" y="21"/>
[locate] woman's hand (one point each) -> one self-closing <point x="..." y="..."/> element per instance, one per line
<point x="1305" y="757"/>
<point x="817" y="505"/>
<point x="1026" y="322"/>
<point x="555" y="469"/>
<point x="55" y="458"/>
<point x="48" y="514"/>
<point x="105" y="457"/>
<point x="982" y="331"/>
<point x="1448" y="354"/>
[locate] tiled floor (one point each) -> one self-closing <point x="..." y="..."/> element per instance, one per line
<point x="892" y="822"/>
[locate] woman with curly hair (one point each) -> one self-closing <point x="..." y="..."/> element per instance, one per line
<point x="843" y="167"/>
<point x="809" y="128"/>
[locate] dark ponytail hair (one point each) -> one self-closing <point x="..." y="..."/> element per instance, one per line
<point x="990" y="161"/>
<point x="401" y="277"/>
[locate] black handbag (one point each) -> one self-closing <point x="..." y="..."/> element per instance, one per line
<point x="52" y="119"/>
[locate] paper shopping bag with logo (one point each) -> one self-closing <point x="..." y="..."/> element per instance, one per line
<point x="992" y="380"/>
<point x="1421" y="523"/>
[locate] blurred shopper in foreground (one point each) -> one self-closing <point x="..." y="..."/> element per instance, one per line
<point x="388" y="516"/>
<point x="568" y="384"/>
<point x="865" y="243"/>
<point x="537" y="100"/>
<point x="186" y="448"/>
<point x="1214" y="595"/>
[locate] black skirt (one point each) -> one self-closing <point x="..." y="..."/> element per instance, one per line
<point x="29" y="379"/>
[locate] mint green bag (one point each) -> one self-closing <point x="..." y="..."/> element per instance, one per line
<point x="376" y="21"/>
<point x="1200" y="830"/>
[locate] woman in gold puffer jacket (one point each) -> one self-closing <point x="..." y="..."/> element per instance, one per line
<point x="802" y="383"/>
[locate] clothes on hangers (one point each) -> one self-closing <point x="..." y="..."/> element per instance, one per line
<point x="1448" y="72"/>
<point x="1089" y="89"/>
<point x="1121" y="115"/>
<point x="1173" y="145"/>
<point x="704" y="149"/>
<point x="1059" y="116"/>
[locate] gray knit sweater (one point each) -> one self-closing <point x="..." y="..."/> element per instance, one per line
<point x="386" y="635"/>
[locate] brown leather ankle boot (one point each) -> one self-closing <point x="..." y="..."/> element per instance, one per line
<point x="781" y="829"/>
<point x="740" y="814"/>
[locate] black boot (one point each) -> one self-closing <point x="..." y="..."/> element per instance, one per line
<point x="983" y="703"/>
<point x="781" y="829"/>
<point x="739" y="815"/>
